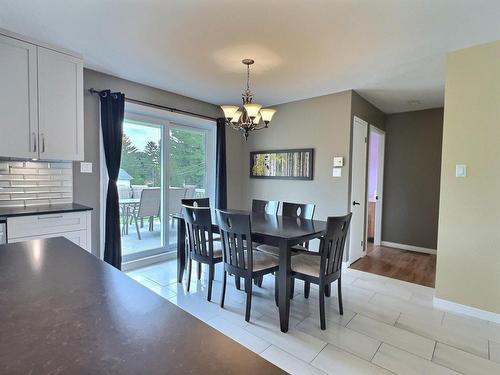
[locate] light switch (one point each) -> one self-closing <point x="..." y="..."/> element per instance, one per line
<point x="460" y="170"/>
<point x="337" y="172"/>
<point x="338" y="161"/>
<point x="85" y="167"/>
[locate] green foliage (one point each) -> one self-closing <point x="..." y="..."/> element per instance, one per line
<point x="187" y="160"/>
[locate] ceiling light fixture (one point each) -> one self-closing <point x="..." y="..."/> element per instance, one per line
<point x="252" y="116"/>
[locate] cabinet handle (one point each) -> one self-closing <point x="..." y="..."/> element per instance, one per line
<point x="34" y="141"/>
<point x="50" y="217"/>
<point x="43" y="142"/>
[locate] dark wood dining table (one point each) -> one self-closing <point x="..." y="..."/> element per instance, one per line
<point x="280" y="231"/>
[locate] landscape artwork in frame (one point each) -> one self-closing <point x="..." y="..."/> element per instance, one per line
<point x="294" y="164"/>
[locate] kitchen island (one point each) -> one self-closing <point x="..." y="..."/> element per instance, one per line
<point x="65" y="311"/>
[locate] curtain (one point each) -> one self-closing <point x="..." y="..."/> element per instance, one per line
<point x="220" y="164"/>
<point x="112" y="113"/>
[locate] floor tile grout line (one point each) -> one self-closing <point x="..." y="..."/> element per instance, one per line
<point x="398" y="347"/>
<point x="396" y="322"/>
<point x="376" y="351"/>
<point x="434" y="351"/>
<point x="323" y="348"/>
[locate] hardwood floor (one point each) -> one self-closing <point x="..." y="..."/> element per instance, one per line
<point x="399" y="264"/>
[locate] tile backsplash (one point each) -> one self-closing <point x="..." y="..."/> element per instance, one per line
<point x="35" y="183"/>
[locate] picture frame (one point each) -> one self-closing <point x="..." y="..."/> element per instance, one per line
<point x="286" y="164"/>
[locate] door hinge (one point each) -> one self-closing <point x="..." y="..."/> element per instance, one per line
<point x="362" y="243"/>
<point x="366" y="141"/>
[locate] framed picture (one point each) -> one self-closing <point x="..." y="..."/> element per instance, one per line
<point x="293" y="164"/>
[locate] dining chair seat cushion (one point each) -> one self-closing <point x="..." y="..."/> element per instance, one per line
<point x="273" y="250"/>
<point x="217" y="248"/>
<point x="262" y="261"/>
<point x="307" y="264"/>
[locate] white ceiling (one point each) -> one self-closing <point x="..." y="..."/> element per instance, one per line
<point x="390" y="51"/>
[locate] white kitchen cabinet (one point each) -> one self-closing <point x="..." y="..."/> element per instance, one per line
<point x="18" y="99"/>
<point x="75" y="226"/>
<point x="41" y="101"/>
<point x="60" y="106"/>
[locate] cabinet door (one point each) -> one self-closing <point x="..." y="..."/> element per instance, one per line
<point x="78" y="238"/>
<point x="18" y="99"/>
<point x="60" y="105"/>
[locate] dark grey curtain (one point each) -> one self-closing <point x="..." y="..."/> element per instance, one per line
<point x="221" y="174"/>
<point x="112" y="112"/>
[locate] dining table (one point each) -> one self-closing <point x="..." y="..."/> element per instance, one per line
<point x="280" y="231"/>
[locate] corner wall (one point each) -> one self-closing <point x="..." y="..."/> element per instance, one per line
<point x="468" y="257"/>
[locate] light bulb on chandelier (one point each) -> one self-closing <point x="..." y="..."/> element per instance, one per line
<point x="252" y="116"/>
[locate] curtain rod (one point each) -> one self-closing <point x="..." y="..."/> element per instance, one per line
<point x="153" y="105"/>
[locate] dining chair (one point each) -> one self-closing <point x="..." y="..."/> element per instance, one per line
<point x="175" y="196"/>
<point x="196" y="202"/>
<point x="149" y="207"/>
<point x="201" y="245"/>
<point x="324" y="267"/>
<point x="297" y="211"/>
<point x="265" y="207"/>
<point x="239" y="260"/>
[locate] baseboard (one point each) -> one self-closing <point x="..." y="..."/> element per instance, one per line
<point x="402" y="246"/>
<point x="474" y="312"/>
<point x="129" y="266"/>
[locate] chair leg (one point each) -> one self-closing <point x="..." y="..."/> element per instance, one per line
<point x="237" y="282"/>
<point x="210" y="281"/>
<point x="248" y="290"/>
<point x="292" y="288"/>
<point x="328" y="290"/>
<point x="142" y="222"/>
<point x="261" y="280"/>
<point x="223" y="295"/>
<point x="276" y="288"/>
<point x="307" y="289"/>
<point x="339" y="296"/>
<point x="258" y="281"/>
<point x="137" y="228"/>
<point x="198" y="271"/>
<point x="190" y="267"/>
<point x="322" y="318"/>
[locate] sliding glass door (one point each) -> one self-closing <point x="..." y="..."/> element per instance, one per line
<point x="140" y="189"/>
<point x="165" y="158"/>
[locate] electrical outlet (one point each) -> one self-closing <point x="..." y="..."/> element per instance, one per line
<point x="85" y="167"/>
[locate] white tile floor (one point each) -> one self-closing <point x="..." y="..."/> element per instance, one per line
<point x="389" y="326"/>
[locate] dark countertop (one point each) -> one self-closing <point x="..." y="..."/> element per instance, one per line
<point x="45" y="209"/>
<point x="63" y="310"/>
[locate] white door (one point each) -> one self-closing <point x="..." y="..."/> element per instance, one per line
<point x="60" y="105"/>
<point x="18" y="101"/>
<point x="358" y="190"/>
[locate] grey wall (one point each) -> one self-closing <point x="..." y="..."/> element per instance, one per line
<point x="322" y="123"/>
<point x="411" y="177"/>
<point x="87" y="186"/>
<point x="363" y="109"/>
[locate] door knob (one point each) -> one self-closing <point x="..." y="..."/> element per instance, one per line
<point x="354" y="203"/>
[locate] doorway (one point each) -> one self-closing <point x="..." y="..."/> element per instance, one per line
<point x="358" y="190"/>
<point x="376" y="147"/>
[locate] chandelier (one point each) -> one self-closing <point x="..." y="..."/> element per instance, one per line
<point x="252" y="116"/>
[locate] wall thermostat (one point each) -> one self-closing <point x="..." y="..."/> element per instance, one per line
<point x="338" y="161"/>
